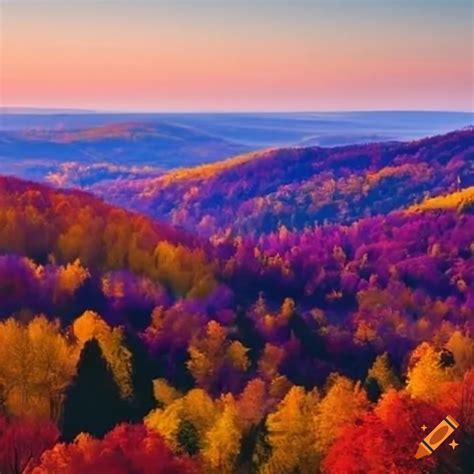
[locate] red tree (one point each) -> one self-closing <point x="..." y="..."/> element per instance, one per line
<point x="23" y="442"/>
<point x="385" y="441"/>
<point x="127" y="448"/>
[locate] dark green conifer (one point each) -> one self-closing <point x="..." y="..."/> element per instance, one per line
<point x="188" y="438"/>
<point x="92" y="404"/>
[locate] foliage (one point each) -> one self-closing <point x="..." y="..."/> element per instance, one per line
<point x="297" y="187"/>
<point x="125" y="449"/>
<point x="22" y="442"/>
<point x="267" y="348"/>
<point x="36" y="365"/>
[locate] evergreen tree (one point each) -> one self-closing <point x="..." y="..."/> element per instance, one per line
<point x="188" y="438"/>
<point x="93" y="404"/>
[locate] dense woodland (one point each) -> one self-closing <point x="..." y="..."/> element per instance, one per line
<point x="128" y="345"/>
<point x="298" y="187"/>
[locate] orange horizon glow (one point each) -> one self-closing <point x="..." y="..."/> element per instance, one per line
<point x="158" y="57"/>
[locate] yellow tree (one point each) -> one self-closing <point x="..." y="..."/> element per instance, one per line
<point x="71" y="276"/>
<point x="291" y="434"/>
<point x="287" y="309"/>
<point x="54" y="360"/>
<point x="15" y="367"/>
<point x="200" y="409"/>
<point x="196" y="407"/>
<point x="222" y="443"/>
<point x="166" y="422"/>
<point x="236" y="354"/>
<point x="116" y="236"/>
<point x="36" y="365"/>
<point x="426" y="373"/>
<point x="82" y="238"/>
<point x="343" y="403"/>
<point x="383" y="373"/>
<point x="185" y="271"/>
<point x="164" y="392"/>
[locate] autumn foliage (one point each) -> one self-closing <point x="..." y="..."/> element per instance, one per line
<point x="283" y="345"/>
<point x="127" y="448"/>
<point x="297" y="187"/>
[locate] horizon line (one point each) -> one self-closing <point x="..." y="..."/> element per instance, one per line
<point x="31" y="110"/>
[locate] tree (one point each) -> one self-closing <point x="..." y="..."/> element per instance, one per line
<point x="252" y="403"/>
<point x="380" y="378"/>
<point x="196" y="407"/>
<point x="93" y="404"/>
<point x="164" y="393"/>
<point x="374" y="447"/>
<point x="387" y="435"/>
<point x="166" y="422"/>
<point x="426" y="373"/>
<point x="90" y="325"/>
<point x="22" y="442"/>
<point x="269" y="363"/>
<point x="54" y="360"/>
<point x="71" y="276"/>
<point x="126" y="449"/>
<point x="222" y="442"/>
<point x="290" y="433"/>
<point x="36" y="365"/>
<point x="184" y="271"/>
<point x="188" y="438"/>
<point x="199" y="408"/>
<point x="343" y="403"/>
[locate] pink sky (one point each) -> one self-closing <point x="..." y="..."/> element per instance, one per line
<point x="312" y="56"/>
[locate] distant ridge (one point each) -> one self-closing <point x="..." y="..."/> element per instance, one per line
<point x="42" y="111"/>
<point x="302" y="186"/>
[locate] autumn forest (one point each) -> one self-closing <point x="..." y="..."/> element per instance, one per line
<point x="295" y="310"/>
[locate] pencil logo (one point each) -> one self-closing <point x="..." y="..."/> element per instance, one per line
<point x="437" y="437"/>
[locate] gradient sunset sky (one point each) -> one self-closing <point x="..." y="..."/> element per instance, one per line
<point x="227" y="55"/>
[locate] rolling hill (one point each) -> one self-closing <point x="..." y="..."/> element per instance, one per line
<point x="80" y="148"/>
<point x="297" y="187"/>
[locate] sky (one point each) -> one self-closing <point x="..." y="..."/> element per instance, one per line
<point x="227" y="55"/>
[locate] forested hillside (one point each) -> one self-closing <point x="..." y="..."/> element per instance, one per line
<point x="298" y="187"/>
